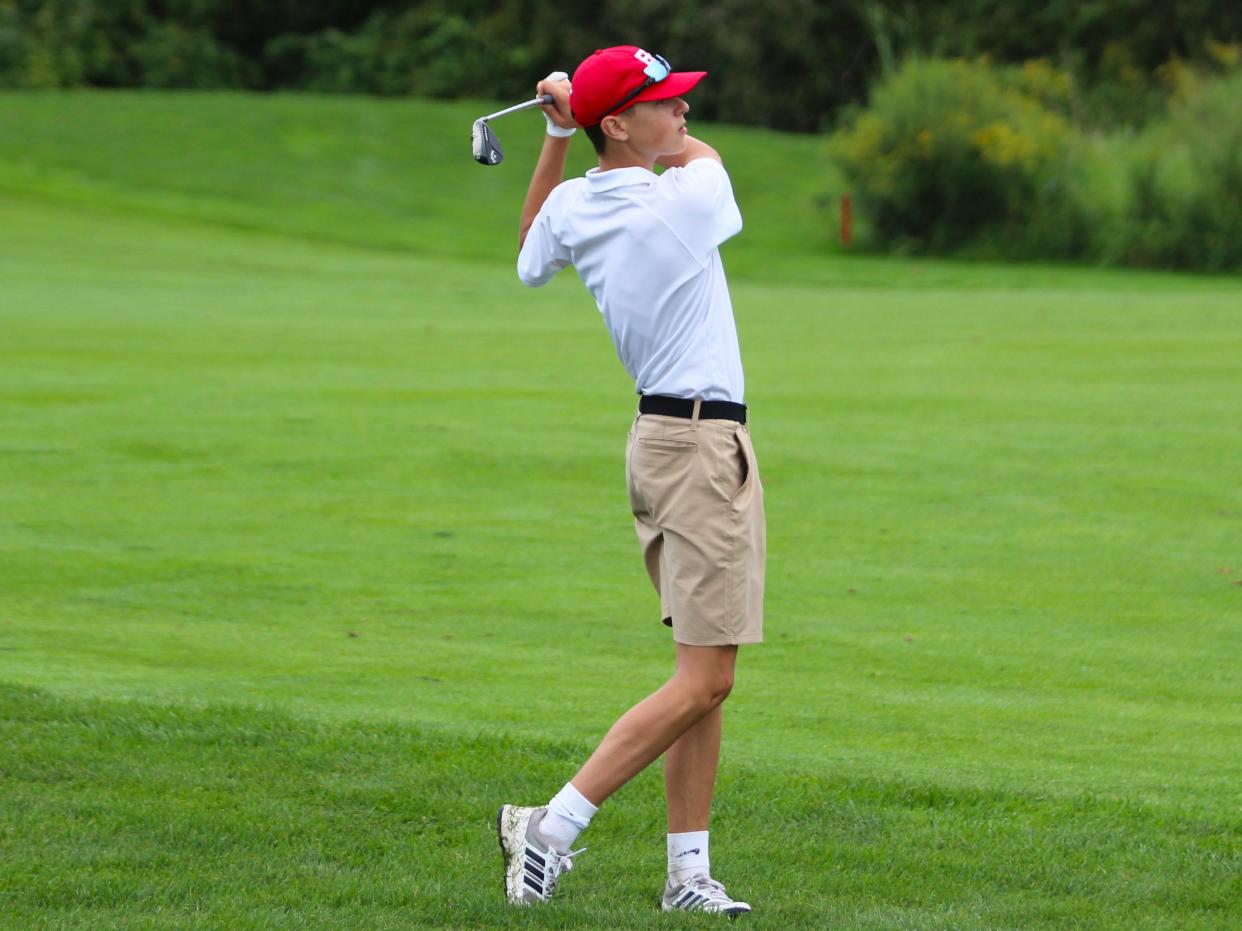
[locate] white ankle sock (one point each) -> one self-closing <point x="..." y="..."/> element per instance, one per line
<point x="687" y="855"/>
<point x="568" y="813"/>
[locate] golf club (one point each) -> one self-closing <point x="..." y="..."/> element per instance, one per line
<point x="487" y="149"/>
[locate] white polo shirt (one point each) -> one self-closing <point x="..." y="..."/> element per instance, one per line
<point x="647" y="248"/>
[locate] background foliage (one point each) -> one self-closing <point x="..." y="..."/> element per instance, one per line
<point x="787" y="64"/>
<point x="954" y="155"/>
<point x="950" y="149"/>
<point x="1184" y="182"/>
<point x="1106" y="131"/>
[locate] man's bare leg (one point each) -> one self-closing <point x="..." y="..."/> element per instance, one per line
<point x="690" y="774"/>
<point x="703" y="679"/>
<point x="684" y="711"/>
<point x="689" y="782"/>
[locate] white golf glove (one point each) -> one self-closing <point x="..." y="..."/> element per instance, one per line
<point x="560" y="132"/>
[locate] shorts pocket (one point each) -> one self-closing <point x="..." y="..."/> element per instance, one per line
<point x="661" y="465"/>
<point x="660" y="442"/>
<point x="729" y="466"/>
<point x="746" y="456"/>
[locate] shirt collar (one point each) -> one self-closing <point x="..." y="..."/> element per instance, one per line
<point x="618" y="177"/>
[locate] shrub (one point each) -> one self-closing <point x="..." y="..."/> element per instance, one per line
<point x="41" y="46"/>
<point x="428" y="53"/>
<point x="12" y="45"/>
<point x="168" y="55"/>
<point x="948" y="154"/>
<point x="1184" y="207"/>
<point x="960" y="156"/>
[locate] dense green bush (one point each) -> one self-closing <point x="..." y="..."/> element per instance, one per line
<point x="428" y="53"/>
<point x="67" y="43"/>
<point x="787" y="64"/>
<point x="1184" y="179"/>
<point x="949" y="153"/>
<point x="170" y="55"/>
<point x="966" y="157"/>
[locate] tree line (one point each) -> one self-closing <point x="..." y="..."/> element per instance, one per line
<point x="784" y="64"/>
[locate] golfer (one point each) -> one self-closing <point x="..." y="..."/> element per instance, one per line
<point x="646" y="245"/>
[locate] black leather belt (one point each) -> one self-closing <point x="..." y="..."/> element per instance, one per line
<point x="684" y="407"/>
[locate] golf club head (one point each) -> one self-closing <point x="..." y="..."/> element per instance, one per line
<point x="487" y="149"/>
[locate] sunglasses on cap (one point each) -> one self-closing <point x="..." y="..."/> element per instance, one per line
<point x="656" y="71"/>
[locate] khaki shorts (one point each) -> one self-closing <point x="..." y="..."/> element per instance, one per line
<point x="698" y="510"/>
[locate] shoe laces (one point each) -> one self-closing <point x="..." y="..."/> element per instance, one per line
<point x="709" y="887"/>
<point x="560" y="863"/>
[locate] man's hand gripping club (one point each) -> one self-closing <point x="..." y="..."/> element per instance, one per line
<point x="550" y="169"/>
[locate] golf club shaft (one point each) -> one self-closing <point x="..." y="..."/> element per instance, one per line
<point x="537" y="102"/>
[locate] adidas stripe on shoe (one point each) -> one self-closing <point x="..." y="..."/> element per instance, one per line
<point x="532" y="867"/>
<point x="701" y="894"/>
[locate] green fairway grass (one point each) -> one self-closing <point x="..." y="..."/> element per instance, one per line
<point x="155" y="816"/>
<point x="314" y="548"/>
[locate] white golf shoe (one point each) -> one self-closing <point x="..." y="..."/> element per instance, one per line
<point x="701" y="894"/>
<point x="532" y="867"/>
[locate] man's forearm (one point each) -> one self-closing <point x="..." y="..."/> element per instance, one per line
<point x="695" y="148"/>
<point x="549" y="172"/>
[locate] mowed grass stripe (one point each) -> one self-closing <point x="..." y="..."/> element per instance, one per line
<point x="999" y="517"/>
<point x="396" y="175"/>
<point x="126" y="814"/>
<point x="342" y="513"/>
<point x="385" y="173"/>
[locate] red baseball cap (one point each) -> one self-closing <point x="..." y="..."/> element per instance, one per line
<point x="614" y="79"/>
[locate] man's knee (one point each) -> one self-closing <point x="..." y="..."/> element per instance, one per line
<point x="712" y="688"/>
<point x="708" y="671"/>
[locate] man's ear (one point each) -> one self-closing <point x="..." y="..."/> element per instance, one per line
<point x="613" y="128"/>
